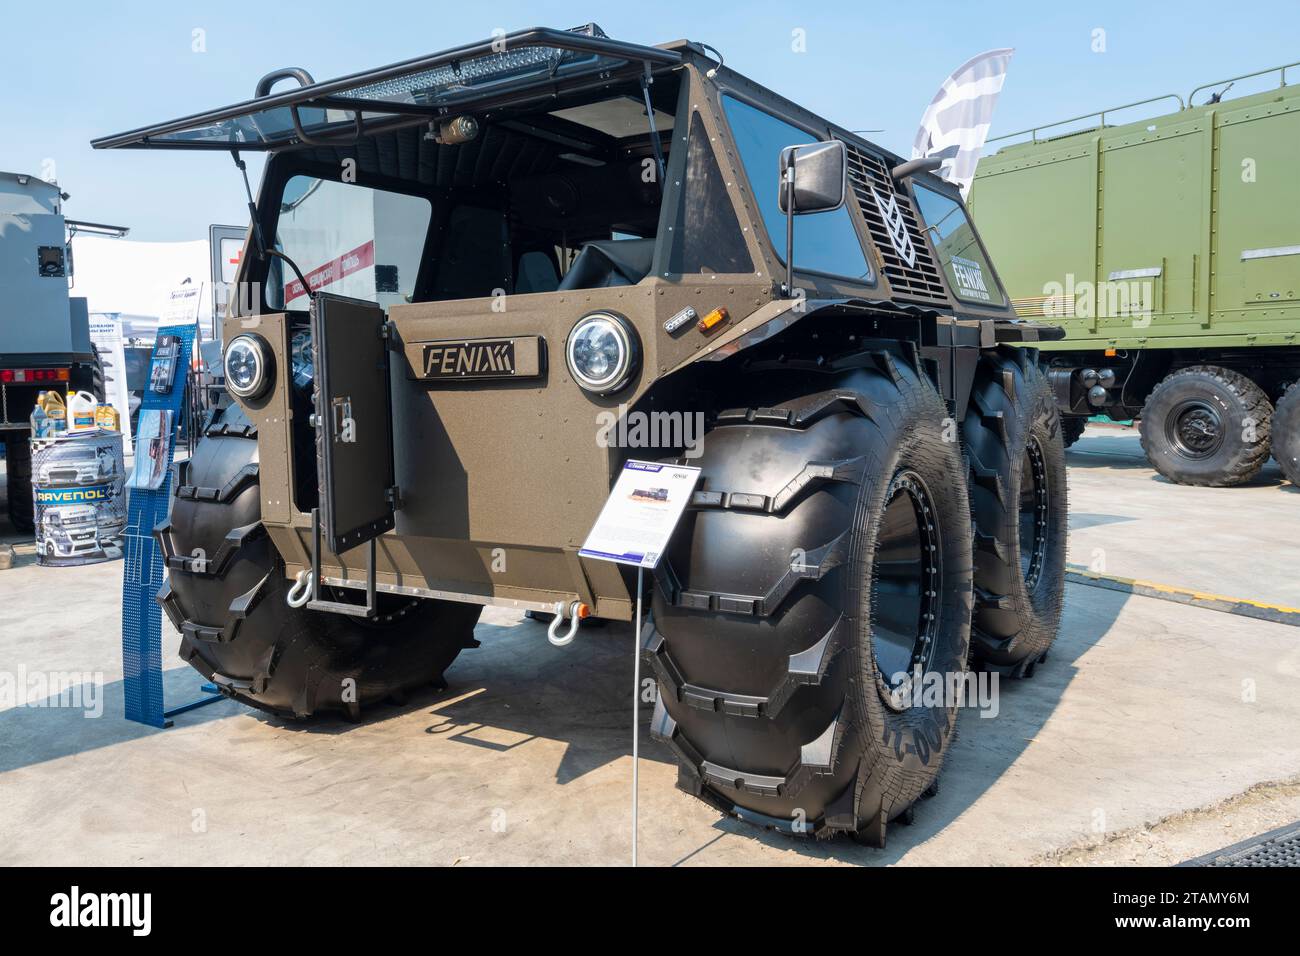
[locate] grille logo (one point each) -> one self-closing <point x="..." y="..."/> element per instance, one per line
<point x="895" y="225"/>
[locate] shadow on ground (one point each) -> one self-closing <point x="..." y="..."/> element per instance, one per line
<point x="517" y="688"/>
<point x="58" y="725"/>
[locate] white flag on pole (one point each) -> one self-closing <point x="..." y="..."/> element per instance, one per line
<point x="956" y="122"/>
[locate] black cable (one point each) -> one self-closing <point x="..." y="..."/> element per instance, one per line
<point x="718" y="56"/>
<point x="262" y="251"/>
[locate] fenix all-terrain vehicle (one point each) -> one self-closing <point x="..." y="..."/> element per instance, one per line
<point x="1169" y="250"/>
<point x="463" y="261"/>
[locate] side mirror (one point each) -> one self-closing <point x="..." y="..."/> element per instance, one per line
<point x="815" y="176"/>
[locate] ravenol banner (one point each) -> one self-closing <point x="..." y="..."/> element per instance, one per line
<point x="79" y="493"/>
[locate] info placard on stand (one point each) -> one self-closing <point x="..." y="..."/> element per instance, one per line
<point x="634" y="527"/>
<point x="148" y="503"/>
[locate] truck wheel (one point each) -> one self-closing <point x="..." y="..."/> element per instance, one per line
<point x="1286" y="434"/>
<point x="226" y="592"/>
<point x="18" y="476"/>
<point x="1012" y="437"/>
<point x="1205" y="425"/>
<point x="97" y="374"/>
<point x="827" y="553"/>
<point x="1072" y="427"/>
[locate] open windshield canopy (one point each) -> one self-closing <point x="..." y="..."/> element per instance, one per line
<point x="340" y="110"/>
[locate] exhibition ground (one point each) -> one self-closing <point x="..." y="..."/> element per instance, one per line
<point x="1156" y="732"/>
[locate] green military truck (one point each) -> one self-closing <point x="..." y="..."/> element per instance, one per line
<point x="1169" y="250"/>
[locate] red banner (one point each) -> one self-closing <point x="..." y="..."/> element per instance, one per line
<point x="361" y="257"/>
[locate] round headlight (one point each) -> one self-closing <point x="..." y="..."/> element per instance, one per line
<point x="602" y="352"/>
<point x="248" y="366"/>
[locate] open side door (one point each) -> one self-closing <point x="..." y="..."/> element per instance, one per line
<point x="354" y="421"/>
<point x="354" y="436"/>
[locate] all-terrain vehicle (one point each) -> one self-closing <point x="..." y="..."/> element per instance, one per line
<point x="457" y="264"/>
<point x="1168" y="248"/>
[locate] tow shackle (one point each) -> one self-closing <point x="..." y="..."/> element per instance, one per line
<point x="575" y="615"/>
<point x="300" y="593"/>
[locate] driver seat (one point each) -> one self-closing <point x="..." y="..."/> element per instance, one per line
<point x="609" y="262"/>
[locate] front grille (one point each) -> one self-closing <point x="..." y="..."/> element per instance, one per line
<point x="921" y="280"/>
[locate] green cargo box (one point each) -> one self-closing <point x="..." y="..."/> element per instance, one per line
<point x="1161" y="245"/>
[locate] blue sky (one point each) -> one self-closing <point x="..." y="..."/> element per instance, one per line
<point x="90" y="69"/>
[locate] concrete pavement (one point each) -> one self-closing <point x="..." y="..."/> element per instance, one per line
<point x="1147" y="711"/>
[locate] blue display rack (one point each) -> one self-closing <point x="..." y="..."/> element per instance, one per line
<point x="142" y="573"/>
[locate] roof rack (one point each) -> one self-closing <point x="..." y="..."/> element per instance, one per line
<point x="1245" y="76"/>
<point x="1101" y="115"/>
<point x="1188" y="104"/>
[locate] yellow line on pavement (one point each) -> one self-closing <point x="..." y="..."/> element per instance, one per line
<point x="1242" y="607"/>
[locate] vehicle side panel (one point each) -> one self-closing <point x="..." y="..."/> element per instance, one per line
<point x="1194" y="212"/>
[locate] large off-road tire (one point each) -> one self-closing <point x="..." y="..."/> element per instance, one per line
<point x="1285" y="434"/>
<point x="226" y="592"/>
<point x="1205" y="425"/>
<point x="1072" y="427"/>
<point x="831" y="517"/>
<point x="18" y="477"/>
<point x="1012" y="438"/>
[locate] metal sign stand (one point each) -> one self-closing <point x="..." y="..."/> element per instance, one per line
<point x="636" y="709"/>
<point x="142" y="570"/>
<point x="634" y="527"/>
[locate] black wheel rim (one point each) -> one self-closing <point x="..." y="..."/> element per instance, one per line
<point x="1035" y="495"/>
<point x="1194" y="429"/>
<point x="905" y="582"/>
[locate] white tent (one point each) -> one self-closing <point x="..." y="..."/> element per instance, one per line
<point x="134" y="279"/>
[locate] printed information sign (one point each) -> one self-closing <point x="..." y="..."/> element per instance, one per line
<point x="641" y="512"/>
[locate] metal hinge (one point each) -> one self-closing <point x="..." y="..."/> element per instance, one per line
<point x="394" y="496"/>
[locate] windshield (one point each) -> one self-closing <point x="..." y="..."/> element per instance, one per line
<point x="824" y="242"/>
<point x="349" y="240"/>
<point x="964" y="263"/>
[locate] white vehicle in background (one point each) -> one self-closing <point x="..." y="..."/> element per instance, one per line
<point x="69" y="464"/>
<point x="69" y="531"/>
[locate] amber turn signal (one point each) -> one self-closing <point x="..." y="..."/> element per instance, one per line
<point x="713" y="319"/>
